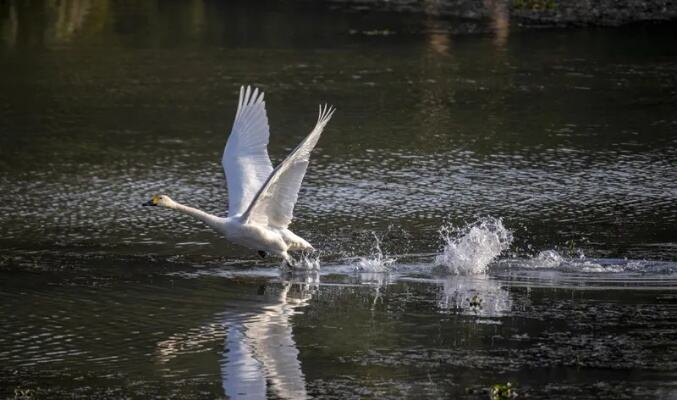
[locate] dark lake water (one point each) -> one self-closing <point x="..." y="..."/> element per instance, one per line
<point x="491" y="204"/>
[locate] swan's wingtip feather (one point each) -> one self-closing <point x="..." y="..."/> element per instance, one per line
<point x="326" y="112"/>
<point x="239" y="102"/>
<point x="247" y="94"/>
<point x="255" y="96"/>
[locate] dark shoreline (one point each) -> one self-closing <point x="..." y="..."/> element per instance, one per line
<point x="530" y="13"/>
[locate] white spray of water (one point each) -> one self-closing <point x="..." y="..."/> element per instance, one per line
<point x="575" y="261"/>
<point x="548" y="259"/>
<point x="551" y="259"/>
<point x="306" y="262"/>
<point x="470" y="249"/>
<point x="312" y="261"/>
<point x="377" y="261"/>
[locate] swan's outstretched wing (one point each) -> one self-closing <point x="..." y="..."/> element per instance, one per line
<point x="274" y="202"/>
<point x="245" y="159"/>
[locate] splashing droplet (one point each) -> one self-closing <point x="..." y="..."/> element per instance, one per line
<point x="470" y="249"/>
<point x="377" y="261"/>
<point x="549" y="259"/>
<point x="307" y="262"/>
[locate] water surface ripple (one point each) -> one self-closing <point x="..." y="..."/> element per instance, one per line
<point x="492" y="204"/>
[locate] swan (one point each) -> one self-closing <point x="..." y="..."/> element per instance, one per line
<point x="260" y="199"/>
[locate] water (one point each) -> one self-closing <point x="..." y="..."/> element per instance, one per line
<point x="470" y="249"/>
<point x="376" y="261"/>
<point x="547" y="158"/>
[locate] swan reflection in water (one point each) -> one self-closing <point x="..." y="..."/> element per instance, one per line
<point x="260" y="355"/>
<point x="263" y="350"/>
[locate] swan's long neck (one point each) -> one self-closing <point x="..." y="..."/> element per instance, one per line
<point x="209" y="219"/>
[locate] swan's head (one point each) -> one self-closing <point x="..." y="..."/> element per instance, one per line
<point x="160" y="200"/>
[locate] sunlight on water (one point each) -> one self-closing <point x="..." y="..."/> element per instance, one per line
<point x="470" y="249"/>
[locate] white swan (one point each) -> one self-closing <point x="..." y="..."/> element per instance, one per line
<point x="260" y="200"/>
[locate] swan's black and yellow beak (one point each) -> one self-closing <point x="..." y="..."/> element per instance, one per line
<point x="152" y="202"/>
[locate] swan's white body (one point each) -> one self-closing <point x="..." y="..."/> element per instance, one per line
<point x="260" y="199"/>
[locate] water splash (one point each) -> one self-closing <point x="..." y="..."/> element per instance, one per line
<point x="551" y="260"/>
<point x="548" y="259"/>
<point x="470" y="249"/>
<point x="306" y="262"/>
<point x="377" y="261"/>
<point x="312" y="261"/>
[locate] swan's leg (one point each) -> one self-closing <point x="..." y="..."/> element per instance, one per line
<point x="288" y="260"/>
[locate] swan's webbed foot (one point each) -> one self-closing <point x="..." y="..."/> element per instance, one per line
<point x="289" y="262"/>
<point x="262" y="254"/>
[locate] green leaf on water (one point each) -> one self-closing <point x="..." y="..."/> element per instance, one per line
<point x="502" y="391"/>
